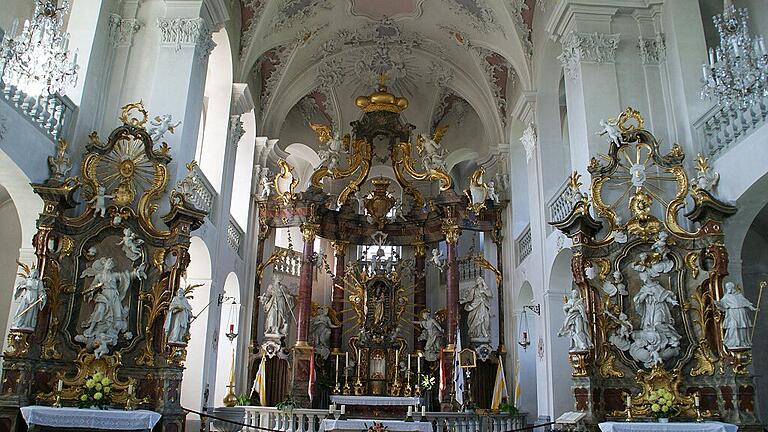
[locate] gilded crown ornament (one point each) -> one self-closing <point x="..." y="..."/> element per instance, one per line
<point x="381" y="99"/>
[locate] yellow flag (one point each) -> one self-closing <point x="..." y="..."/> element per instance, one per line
<point x="259" y="382"/>
<point x="499" y="388"/>
<point x="518" y="387"/>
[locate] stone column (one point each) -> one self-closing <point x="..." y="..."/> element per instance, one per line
<point x="337" y="305"/>
<point x="304" y="306"/>
<point x="451" y="231"/>
<point x="420" y="290"/>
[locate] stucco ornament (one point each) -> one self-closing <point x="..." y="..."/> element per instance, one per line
<point x="107" y="292"/>
<point x="160" y="126"/>
<point x="331" y="154"/>
<point x="31" y="298"/>
<point x="575" y="323"/>
<point x="99" y="201"/>
<point x="431" y="334"/>
<point x="59" y="165"/>
<point x="477" y="302"/>
<point x="179" y="316"/>
<point x="320" y="332"/>
<point x="265" y="183"/>
<point x="737" y="323"/>
<point x="278" y="302"/>
<point x="529" y="141"/>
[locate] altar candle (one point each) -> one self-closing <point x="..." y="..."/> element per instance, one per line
<point x="409" y="364"/>
<point x="423" y="411"/>
<point x="130" y="389"/>
<point x="696" y="400"/>
<point x="337" y="368"/>
<point x="346" y="366"/>
<point x="418" y="364"/>
<point x="397" y="360"/>
<point x="343" y="409"/>
<point x="358" y="364"/>
<point x="59" y="385"/>
<point x="410" y="410"/>
<point x="629" y="401"/>
<point x="330" y="409"/>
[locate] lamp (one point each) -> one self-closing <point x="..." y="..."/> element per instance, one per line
<point x="37" y="60"/>
<point x="230" y="399"/>
<point x="736" y="74"/>
<point x="523" y="340"/>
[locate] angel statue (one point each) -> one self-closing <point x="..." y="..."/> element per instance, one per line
<point x="31" y="297"/>
<point x="477" y="302"/>
<point x="610" y="127"/>
<point x="432" y="155"/>
<point x="320" y="327"/>
<point x="178" y="318"/>
<point x="575" y="324"/>
<point x="331" y="154"/>
<point x="278" y="302"/>
<point x="160" y="126"/>
<point x="131" y="244"/>
<point x="492" y="194"/>
<point x="266" y="184"/>
<point x="737" y="323"/>
<point x="437" y="259"/>
<point x="615" y="286"/>
<point x="431" y="334"/>
<point x="109" y="317"/>
<point x="99" y="201"/>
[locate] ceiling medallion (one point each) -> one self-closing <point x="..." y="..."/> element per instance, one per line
<point x="391" y="9"/>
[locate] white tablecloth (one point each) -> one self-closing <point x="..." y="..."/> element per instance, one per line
<point x="375" y="400"/>
<point x="667" y="427"/>
<point x="90" y="418"/>
<point x="362" y="425"/>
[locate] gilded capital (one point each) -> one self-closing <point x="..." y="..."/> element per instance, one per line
<point x="451" y="231"/>
<point x="340" y="247"/>
<point x="420" y="249"/>
<point x="309" y="231"/>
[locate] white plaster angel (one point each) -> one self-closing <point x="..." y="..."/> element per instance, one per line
<point x="278" y="302"/>
<point x="332" y="153"/>
<point x="615" y="286"/>
<point x="737" y="323"/>
<point x="610" y="128"/>
<point x="492" y="195"/>
<point x="178" y="318"/>
<point x="431" y="334"/>
<point x="31" y="298"/>
<point x="99" y="201"/>
<point x="575" y="323"/>
<point x="432" y="158"/>
<point x="160" y="126"/>
<point x="131" y="244"/>
<point x="107" y="291"/>
<point x="320" y="327"/>
<point x="266" y="184"/>
<point x="437" y="259"/>
<point x="477" y="302"/>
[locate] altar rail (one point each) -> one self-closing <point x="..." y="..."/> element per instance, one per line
<point x="308" y="420"/>
<point x="290" y="264"/>
<point x="719" y="128"/>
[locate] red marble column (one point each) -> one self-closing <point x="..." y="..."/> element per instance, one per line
<point x="452" y="232"/>
<point x="420" y="290"/>
<point x="304" y="307"/>
<point x="337" y="305"/>
<point x="497" y="239"/>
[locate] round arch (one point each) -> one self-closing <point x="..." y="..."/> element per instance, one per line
<point x="229" y="323"/>
<point x="526" y="355"/>
<point x="558" y="383"/>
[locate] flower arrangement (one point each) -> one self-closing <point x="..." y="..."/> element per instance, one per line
<point x="662" y="403"/>
<point x="427" y="382"/>
<point x="96" y="392"/>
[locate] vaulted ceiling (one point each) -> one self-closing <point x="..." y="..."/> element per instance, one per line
<point x="459" y="62"/>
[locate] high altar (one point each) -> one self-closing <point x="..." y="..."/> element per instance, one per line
<point x="377" y="338"/>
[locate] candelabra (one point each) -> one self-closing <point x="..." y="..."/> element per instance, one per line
<point x="38" y="59"/>
<point x="230" y="399"/>
<point x="736" y="74"/>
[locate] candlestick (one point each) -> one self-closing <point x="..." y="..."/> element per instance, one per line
<point x="60" y="385"/>
<point x="418" y="364"/>
<point x="343" y="409"/>
<point x="408" y="373"/>
<point x="410" y="410"/>
<point x="423" y="411"/>
<point x="397" y="359"/>
<point x="359" y="356"/>
<point x="628" y="399"/>
<point x="337" y="368"/>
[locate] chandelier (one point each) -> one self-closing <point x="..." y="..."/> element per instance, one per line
<point x="37" y="59"/>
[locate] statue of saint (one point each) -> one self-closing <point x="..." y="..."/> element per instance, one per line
<point x="432" y="157"/>
<point x="320" y="332"/>
<point x="31" y="297"/>
<point x="178" y="318"/>
<point x="431" y="334"/>
<point x="375" y="299"/>
<point x="278" y="302"/>
<point x="477" y="302"/>
<point x="575" y="324"/>
<point x="109" y="318"/>
<point x="653" y="303"/>
<point x="737" y="323"/>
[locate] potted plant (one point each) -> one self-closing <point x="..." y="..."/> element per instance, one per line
<point x="508" y="408"/>
<point x="662" y="404"/>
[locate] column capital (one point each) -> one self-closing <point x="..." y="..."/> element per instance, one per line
<point x="420" y="249"/>
<point x="121" y="30"/>
<point x="592" y="47"/>
<point x="309" y="231"/>
<point x="180" y="33"/>
<point x="451" y="231"/>
<point x="340" y="247"/>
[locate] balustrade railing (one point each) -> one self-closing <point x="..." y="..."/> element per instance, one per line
<point x="524" y="245"/>
<point x="53" y="114"/>
<point x="234" y="236"/>
<point x="308" y="420"/>
<point x="290" y="264"/>
<point x="469" y="269"/>
<point x="560" y="205"/>
<point x="205" y="196"/>
<point x="719" y="128"/>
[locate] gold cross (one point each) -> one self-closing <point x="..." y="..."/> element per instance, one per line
<point x="383" y="77"/>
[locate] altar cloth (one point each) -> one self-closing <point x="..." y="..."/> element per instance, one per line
<point x="89" y="418"/>
<point x="375" y="400"/>
<point x="362" y="425"/>
<point x="667" y="427"/>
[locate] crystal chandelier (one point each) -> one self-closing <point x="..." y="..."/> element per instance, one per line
<point x="736" y="74"/>
<point x="37" y="60"/>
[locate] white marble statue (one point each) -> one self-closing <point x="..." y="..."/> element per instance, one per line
<point x="431" y="334"/>
<point x="492" y="195"/>
<point x="437" y="259"/>
<point x="737" y="323"/>
<point x="278" y="302"/>
<point x="178" y="318"/>
<point x="610" y="128"/>
<point x="109" y="318"/>
<point x="432" y="156"/>
<point x="621" y="338"/>
<point x="31" y="297"/>
<point x="637" y="171"/>
<point x="575" y="323"/>
<point x="266" y="184"/>
<point x="320" y="332"/>
<point x="131" y="244"/>
<point x="707" y="178"/>
<point x="99" y="201"/>
<point x="59" y="166"/>
<point x="620" y="236"/>
<point x="615" y="286"/>
<point x="477" y="302"/>
<point x="653" y="303"/>
<point x="331" y="155"/>
<point x="160" y="126"/>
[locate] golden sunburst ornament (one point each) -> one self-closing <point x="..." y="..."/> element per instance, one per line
<point x="125" y="170"/>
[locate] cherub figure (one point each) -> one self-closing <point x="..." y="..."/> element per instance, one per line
<point x="610" y="128"/>
<point x="615" y="286"/>
<point x="437" y="259"/>
<point x="131" y="244"/>
<point x="331" y="154"/>
<point x="492" y="195"/>
<point x="99" y="201"/>
<point x="162" y="125"/>
<point x="266" y="184"/>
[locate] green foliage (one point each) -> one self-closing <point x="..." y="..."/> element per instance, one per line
<point x="288" y="404"/>
<point x="508" y="408"/>
<point x="97" y="391"/>
<point x="244" y="400"/>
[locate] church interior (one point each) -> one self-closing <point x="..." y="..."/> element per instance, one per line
<point x="383" y="215"/>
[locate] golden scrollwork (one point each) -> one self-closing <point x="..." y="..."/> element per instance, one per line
<point x="692" y="262"/>
<point x="660" y="378"/>
<point x="705" y="361"/>
<point x="154" y="302"/>
<point x="66" y="246"/>
<point x="451" y="230"/>
<point x="380" y="201"/>
<point x="56" y="287"/>
<point x="477" y="192"/>
<point x="607" y="364"/>
<point x="485" y="264"/>
<point x="625" y="120"/>
<point x="578" y="362"/>
<point x="129" y="120"/>
<point x="285" y="182"/>
<point x="403" y="162"/>
<point x="358" y="162"/>
<point x="18" y="343"/>
<point x="277" y="256"/>
<point x="323" y="131"/>
<point x="340" y="247"/>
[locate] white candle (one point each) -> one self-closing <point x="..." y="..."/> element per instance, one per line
<point x="343" y="409"/>
<point x="423" y="411"/>
<point x="337" y="368"/>
<point x="358" y="363"/>
<point x="130" y="389"/>
<point x="711" y="57"/>
<point x="59" y="385"/>
<point x="397" y="360"/>
<point x="410" y="410"/>
<point x="346" y="366"/>
<point x="330" y="409"/>
<point x="629" y="401"/>
<point x="696" y="400"/>
<point x="418" y="364"/>
<point x="409" y="363"/>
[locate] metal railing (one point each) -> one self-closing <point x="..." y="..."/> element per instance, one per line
<point x="524" y="245"/>
<point x="719" y="128"/>
<point x="291" y="263"/>
<point x="234" y="236"/>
